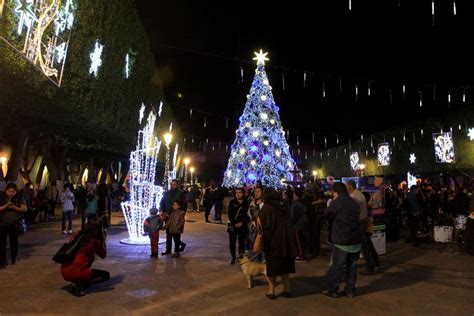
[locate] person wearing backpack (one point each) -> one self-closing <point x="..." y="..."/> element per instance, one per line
<point x="11" y="206"/>
<point x="78" y="271"/>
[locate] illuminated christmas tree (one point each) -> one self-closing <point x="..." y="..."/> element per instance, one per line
<point x="260" y="151"/>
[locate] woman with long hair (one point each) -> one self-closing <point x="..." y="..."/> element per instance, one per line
<point x="79" y="270"/>
<point x="12" y="206"/>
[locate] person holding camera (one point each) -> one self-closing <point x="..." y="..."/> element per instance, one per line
<point x="237" y="223"/>
<point x="67" y="198"/>
<point x="78" y="271"/>
<point x="11" y="207"/>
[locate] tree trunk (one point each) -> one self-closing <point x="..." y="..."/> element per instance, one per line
<point x="39" y="176"/>
<point x="91" y="175"/>
<point x="55" y="158"/>
<point x="17" y="154"/>
<point x="105" y="172"/>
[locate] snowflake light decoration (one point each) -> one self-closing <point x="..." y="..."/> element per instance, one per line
<point x="96" y="58"/>
<point x="383" y="155"/>
<point x="444" y="147"/>
<point x="412" y="158"/>
<point x="470" y="133"/>
<point x="354" y="160"/>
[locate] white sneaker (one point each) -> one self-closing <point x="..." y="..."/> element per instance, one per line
<point x="64" y="232"/>
<point x="70" y="231"/>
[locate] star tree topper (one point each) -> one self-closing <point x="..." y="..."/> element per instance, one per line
<point x="261" y="57"/>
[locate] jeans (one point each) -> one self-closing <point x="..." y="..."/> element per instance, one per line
<point x="67" y="215"/>
<point x="218" y="206"/>
<point x="178" y="244"/>
<point x="343" y="267"/>
<point x="154" y="239"/>
<point x="10" y="231"/>
<point x="239" y="235"/>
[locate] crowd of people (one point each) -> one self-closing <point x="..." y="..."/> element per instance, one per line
<point x="277" y="227"/>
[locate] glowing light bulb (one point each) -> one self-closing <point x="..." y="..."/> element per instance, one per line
<point x="264" y="116"/>
<point x="272" y="121"/>
<point x="263" y="97"/>
<point x="255" y="134"/>
<point x="278" y="153"/>
<point x="248" y="124"/>
<point x="266" y="142"/>
<point x="253" y="162"/>
<point x="265" y="82"/>
<point x="242" y="151"/>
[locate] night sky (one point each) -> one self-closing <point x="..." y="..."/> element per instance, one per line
<point x="378" y="40"/>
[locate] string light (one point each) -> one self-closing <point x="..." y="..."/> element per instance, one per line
<point x="324" y="89"/>
<point x="403" y="90"/>
<point x="454" y="7"/>
<point x="444" y="147"/>
<point x="383" y="155"/>
<point x="368" y="88"/>
<point x="144" y="194"/>
<point x="421" y="98"/>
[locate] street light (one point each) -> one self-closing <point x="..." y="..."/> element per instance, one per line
<point x="167" y="138"/>
<point x="186" y="163"/>
<point x="192" y="173"/>
<point x="315" y="173"/>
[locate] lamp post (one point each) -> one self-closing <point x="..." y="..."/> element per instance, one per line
<point x="192" y="174"/>
<point x="186" y="163"/>
<point x="167" y="138"/>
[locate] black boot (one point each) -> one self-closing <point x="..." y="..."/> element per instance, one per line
<point x="77" y="290"/>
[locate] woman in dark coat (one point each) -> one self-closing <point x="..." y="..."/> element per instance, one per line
<point x="278" y="242"/>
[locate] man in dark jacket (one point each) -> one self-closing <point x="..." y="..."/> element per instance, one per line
<point x="175" y="194"/>
<point x="413" y="208"/>
<point x="343" y="218"/>
<point x="238" y="223"/>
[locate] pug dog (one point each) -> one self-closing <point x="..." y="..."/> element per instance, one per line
<point x="251" y="268"/>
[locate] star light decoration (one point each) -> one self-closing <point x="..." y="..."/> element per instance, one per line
<point x="260" y="151"/>
<point x="144" y="194"/>
<point x="383" y="155"/>
<point x="39" y="30"/>
<point x="261" y="58"/>
<point x="470" y="133"/>
<point x="96" y="58"/>
<point x="412" y="158"/>
<point x="444" y="147"/>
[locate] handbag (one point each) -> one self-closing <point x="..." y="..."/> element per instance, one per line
<point x="68" y="251"/>
<point x="258" y="244"/>
<point x="230" y="226"/>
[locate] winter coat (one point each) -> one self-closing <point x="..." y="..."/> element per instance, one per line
<point x="175" y="223"/>
<point x="343" y="218"/>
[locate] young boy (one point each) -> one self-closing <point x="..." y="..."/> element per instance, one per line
<point x="174" y="229"/>
<point x="152" y="226"/>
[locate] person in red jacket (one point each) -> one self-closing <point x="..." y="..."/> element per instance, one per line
<point x="79" y="270"/>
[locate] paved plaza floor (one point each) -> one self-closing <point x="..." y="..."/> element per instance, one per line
<point x="416" y="281"/>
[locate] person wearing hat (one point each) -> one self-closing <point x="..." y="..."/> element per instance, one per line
<point x="152" y="226"/>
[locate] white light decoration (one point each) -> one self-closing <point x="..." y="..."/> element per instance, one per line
<point x="277" y="153"/>
<point x="96" y="58"/>
<point x="144" y="194"/>
<point x="264" y="116"/>
<point x="253" y="162"/>
<point x="412" y="158"/>
<point x="261" y="58"/>
<point x="383" y="155"/>
<point x="39" y="30"/>
<point x="411" y="180"/>
<point x="354" y="160"/>
<point x="248" y="124"/>
<point x="266" y="82"/>
<point x="266" y="142"/>
<point x="263" y="97"/>
<point x="272" y="121"/>
<point x="444" y="147"/>
<point x="255" y="134"/>
<point x="141" y="113"/>
<point x="242" y="151"/>
<point x="127" y="66"/>
<point x="171" y="127"/>
<point x="160" y="109"/>
<point x="470" y="133"/>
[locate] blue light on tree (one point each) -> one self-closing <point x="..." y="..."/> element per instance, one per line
<point x="260" y="151"/>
